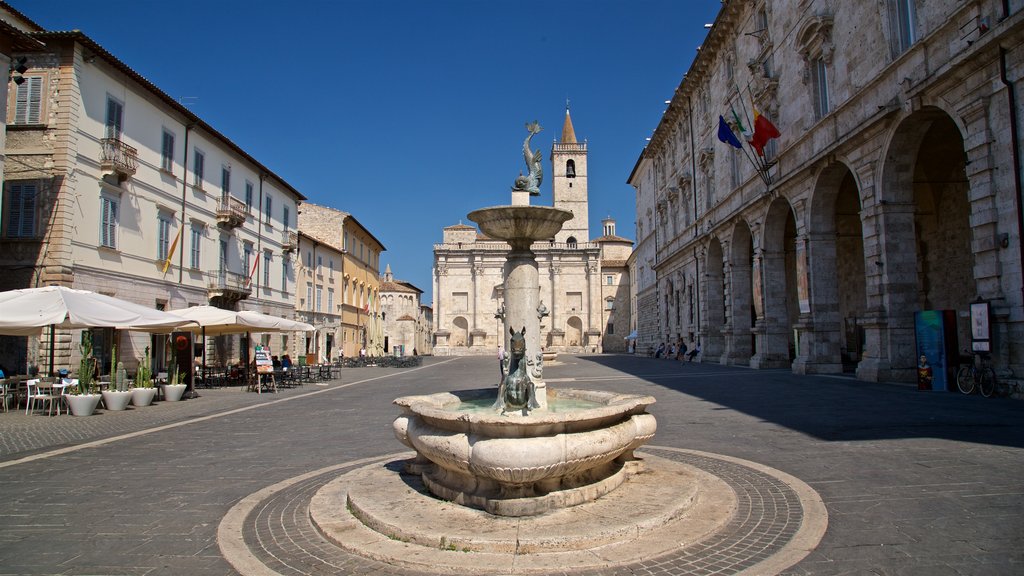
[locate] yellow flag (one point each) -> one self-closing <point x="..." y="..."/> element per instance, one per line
<point x="174" y="245"/>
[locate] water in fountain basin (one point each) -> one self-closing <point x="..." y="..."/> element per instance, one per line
<point x="556" y="405"/>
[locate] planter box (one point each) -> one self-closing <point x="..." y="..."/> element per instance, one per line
<point x="83" y="404"/>
<point x="114" y="400"/>
<point x="173" y="392"/>
<point x="143" y="396"/>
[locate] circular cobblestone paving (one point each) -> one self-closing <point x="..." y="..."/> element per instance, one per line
<point x="778" y="520"/>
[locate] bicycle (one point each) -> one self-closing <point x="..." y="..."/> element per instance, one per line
<point x="976" y="374"/>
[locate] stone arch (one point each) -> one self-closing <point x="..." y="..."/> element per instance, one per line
<point x="714" y="300"/>
<point x="925" y="257"/>
<point x="460" y="332"/>
<point x="835" y="248"/>
<point x="776" y="347"/>
<point x="739" y="299"/>
<point x="574" y="332"/>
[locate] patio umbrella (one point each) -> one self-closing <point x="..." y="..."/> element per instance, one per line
<point x="24" y="312"/>
<point x="214" y="321"/>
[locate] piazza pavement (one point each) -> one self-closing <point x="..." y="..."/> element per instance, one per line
<point x="913" y="482"/>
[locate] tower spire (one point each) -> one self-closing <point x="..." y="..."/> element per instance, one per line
<point x="568" y="134"/>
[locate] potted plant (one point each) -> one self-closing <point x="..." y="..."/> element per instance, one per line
<point x="143" y="391"/>
<point x="175" y="386"/>
<point x="118" y="395"/>
<point x="83" y="400"/>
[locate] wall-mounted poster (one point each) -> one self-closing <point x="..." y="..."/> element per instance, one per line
<point x="981" y="331"/>
<point x="936" y="346"/>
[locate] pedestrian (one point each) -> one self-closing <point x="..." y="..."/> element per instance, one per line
<point x="693" y="353"/>
<point x="660" y="351"/>
<point x="501" y="361"/>
<point x="681" y="352"/>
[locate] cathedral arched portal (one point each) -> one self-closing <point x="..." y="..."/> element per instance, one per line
<point x="574" y="333"/>
<point x="460" y="332"/>
<point x="926" y="261"/>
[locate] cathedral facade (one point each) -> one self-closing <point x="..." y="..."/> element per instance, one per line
<point x="468" y="275"/>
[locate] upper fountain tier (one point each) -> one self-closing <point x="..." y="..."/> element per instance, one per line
<point x="517" y="224"/>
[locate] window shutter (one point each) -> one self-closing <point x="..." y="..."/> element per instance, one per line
<point x="14" y="211"/>
<point x="28" y="210"/>
<point x="28" y="102"/>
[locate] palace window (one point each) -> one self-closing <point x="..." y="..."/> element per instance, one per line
<point x="167" y="152"/>
<point x="28" y="101"/>
<point x="194" y="254"/>
<point x="902" y="18"/>
<point x="21" y="209"/>
<point x="163" y="241"/>
<point x="198" y="168"/>
<point x="108" y="221"/>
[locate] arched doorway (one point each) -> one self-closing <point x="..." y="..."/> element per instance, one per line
<point x="927" y="261"/>
<point x="460" y="332"/>
<point x="574" y="333"/>
<point x="714" y="301"/>
<point x="739" y="298"/>
<point x="775" y="342"/>
<point x="838" y="291"/>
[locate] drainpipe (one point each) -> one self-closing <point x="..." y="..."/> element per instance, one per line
<point x="184" y="195"/>
<point x="259" y="236"/>
<point x="1011" y="100"/>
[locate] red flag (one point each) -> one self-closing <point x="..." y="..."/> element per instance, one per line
<point x="764" y="131"/>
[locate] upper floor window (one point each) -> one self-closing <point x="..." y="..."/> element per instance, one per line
<point x="167" y="152"/>
<point x="267" y="256"/>
<point x="197" y="239"/>
<point x="902" y="16"/>
<point x="21" y="209"/>
<point x="108" y="221"/>
<point x="247" y="263"/>
<point x="248" y="195"/>
<point x="571" y="241"/>
<point x="114" y="121"/>
<point x="286" y="217"/>
<point x="609" y="279"/>
<point x="268" y="205"/>
<point x="819" y="87"/>
<point x="198" y="168"/>
<point x="225" y="180"/>
<point x="28" y="101"/>
<point x="163" y="242"/>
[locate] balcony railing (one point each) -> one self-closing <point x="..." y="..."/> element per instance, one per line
<point x="118" y="158"/>
<point x="289" y="241"/>
<point x="227" y="285"/>
<point x="231" y="212"/>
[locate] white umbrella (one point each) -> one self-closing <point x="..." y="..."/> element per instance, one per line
<point x="215" y="321"/>
<point x="23" y="312"/>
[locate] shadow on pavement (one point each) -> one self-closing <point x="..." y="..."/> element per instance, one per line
<point x="834" y="408"/>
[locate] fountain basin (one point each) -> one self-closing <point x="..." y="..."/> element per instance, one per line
<point x="515" y="465"/>
<point x="518" y="223"/>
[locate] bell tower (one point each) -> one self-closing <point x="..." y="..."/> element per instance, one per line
<point x="569" y="183"/>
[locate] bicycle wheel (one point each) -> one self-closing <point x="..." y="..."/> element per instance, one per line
<point x="965" y="379"/>
<point x="986" y="382"/>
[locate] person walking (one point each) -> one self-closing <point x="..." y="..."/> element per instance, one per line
<point x="501" y="362"/>
<point x="693" y="353"/>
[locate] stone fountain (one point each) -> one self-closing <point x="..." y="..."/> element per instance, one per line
<point x="531" y="450"/>
<point x="528" y="479"/>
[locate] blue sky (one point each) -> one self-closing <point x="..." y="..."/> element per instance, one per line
<point x="409" y="114"/>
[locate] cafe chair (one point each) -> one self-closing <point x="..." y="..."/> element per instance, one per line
<point x="37" y="394"/>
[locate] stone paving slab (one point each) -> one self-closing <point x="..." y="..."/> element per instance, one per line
<point x="914" y="482"/>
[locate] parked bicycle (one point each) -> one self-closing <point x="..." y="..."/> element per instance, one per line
<point x="975" y="373"/>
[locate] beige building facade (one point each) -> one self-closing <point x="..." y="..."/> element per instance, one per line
<point x="468" y="273"/>
<point x="359" y="287"/>
<point x="112" y="186"/>
<point x="407" y="323"/>
<point x="894" y="187"/>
